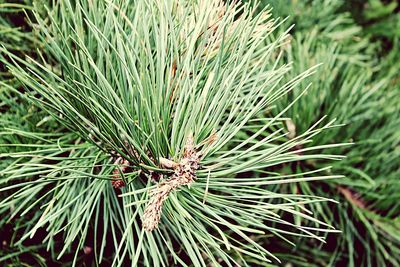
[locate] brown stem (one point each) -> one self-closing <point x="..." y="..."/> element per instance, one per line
<point x="184" y="174"/>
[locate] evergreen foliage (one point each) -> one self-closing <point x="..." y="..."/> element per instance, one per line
<point x="361" y="90"/>
<point x="199" y="133"/>
<point x="171" y="98"/>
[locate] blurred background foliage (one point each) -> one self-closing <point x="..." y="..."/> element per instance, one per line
<point x="359" y="85"/>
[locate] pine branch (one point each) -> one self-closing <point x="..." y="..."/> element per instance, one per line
<point x="138" y="89"/>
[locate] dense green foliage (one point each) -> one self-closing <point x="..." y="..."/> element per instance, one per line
<point x="359" y="85"/>
<point x="217" y="114"/>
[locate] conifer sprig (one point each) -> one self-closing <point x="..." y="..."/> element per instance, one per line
<point x="136" y="80"/>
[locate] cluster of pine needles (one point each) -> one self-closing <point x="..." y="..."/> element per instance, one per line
<point x="199" y="133"/>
